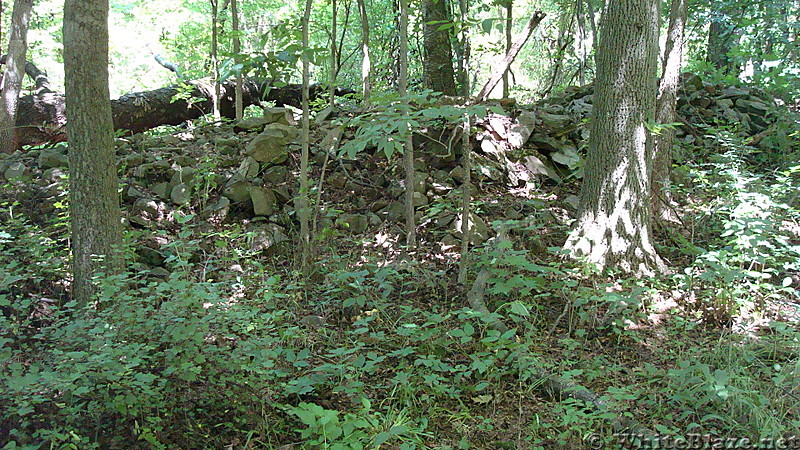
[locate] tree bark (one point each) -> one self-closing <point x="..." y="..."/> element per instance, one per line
<point x="366" y="64"/>
<point x="237" y="49"/>
<point x="466" y="196"/>
<point x="15" y="71"/>
<point x="215" y="61"/>
<point x="94" y="204"/>
<point x="581" y="49"/>
<point x="41" y="118"/>
<point x="408" y="144"/>
<point x="509" y="4"/>
<point x="665" y="111"/>
<point x="302" y="204"/>
<point x="334" y="59"/>
<point x="613" y="226"/>
<point x="437" y="65"/>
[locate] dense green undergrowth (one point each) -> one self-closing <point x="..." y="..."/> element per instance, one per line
<point x="235" y="349"/>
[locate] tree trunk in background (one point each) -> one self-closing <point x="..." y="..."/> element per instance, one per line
<point x="581" y="49"/>
<point x="334" y="59"/>
<point x="466" y="160"/>
<point x="366" y="64"/>
<point x="437" y="64"/>
<point x="302" y="206"/>
<point x="15" y="71"/>
<point x="237" y="48"/>
<point x="408" y="145"/>
<point x="665" y="111"/>
<point x="509" y="22"/>
<point x="592" y="26"/>
<point x="613" y="226"/>
<point x="461" y="50"/>
<point x="722" y="37"/>
<point x="215" y="59"/>
<point x="93" y="201"/>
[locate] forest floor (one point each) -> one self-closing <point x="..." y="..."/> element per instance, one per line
<point x="216" y="338"/>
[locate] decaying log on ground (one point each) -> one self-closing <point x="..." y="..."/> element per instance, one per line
<point x="41" y="118"/>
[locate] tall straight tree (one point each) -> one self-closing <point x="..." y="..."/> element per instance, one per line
<point x="437" y="65"/>
<point x="93" y="201"/>
<point x="466" y="148"/>
<point x="15" y="71"/>
<point x="665" y="110"/>
<point x="366" y="64"/>
<point x="302" y="203"/>
<point x="509" y="4"/>
<point x="334" y="56"/>
<point x="613" y="226"/>
<point x="215" y="59"/>
<point x="408" y="144"/>
<point x="237" y="49"/>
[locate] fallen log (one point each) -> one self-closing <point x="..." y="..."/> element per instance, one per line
<point x="41" y="118"/>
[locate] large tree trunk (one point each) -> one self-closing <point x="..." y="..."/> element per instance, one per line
<point x="15" y="71"/>
<point x="41" y="118"/>
<point x="613" y="227"/>
<point x="93" y="184"/>
<point x="665" y="111"/>
<point x="437" y="64"/>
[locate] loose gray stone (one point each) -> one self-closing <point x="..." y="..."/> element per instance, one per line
<point x="419" y="199"/>
<point x="54" y="175"/>
<point x="185" y="161"/>
<point x="182" y="175"/>
<point x="248" y="169"/>
<point x="162" y="190"/>
<point x="458" y="174"/>
<point x="276" y="175"/>
<point x="52" y="158"/>
<point x="133" y="160"/>
<point x="354" y="223"/>
<point x="263" y="201"/>
<point x="146" y="205"/>
<point x="479" y="231"/>
<point x="270" y="147"/>
<point x="251" y="124"/>
<point x="279" y="115"/>
<point x="133" y="193"/>
<point x="15" y="170"/>
<point x="269" y="238"/>
<point x="238" y="191"/>
<point x="537" y="165"/>
<point x="181" y="194"/>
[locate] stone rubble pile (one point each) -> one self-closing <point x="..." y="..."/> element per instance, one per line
<point x="247" y="171"/>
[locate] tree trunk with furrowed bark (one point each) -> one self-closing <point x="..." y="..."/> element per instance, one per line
<point x="613" y="226"/>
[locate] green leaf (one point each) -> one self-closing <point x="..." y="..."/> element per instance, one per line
<point x="519" y="309"/>
<point x="486" y="25"/>
<point x="381" y="438"/>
